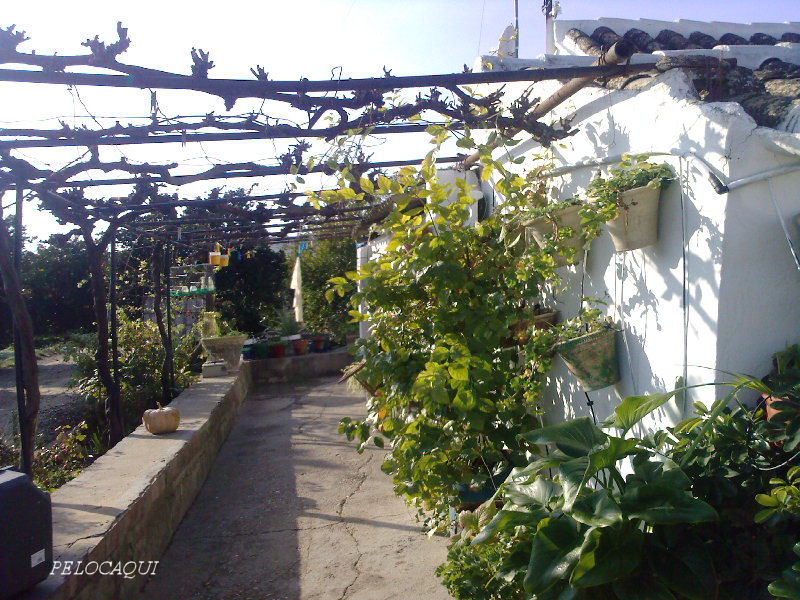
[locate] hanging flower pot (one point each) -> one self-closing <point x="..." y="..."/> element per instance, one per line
<point x="637" y="223"/>
<point x="520" y="330"/>
<point x="592" y="358"/>
<point x="545" y="320"/>
<point x="543" y="228"/>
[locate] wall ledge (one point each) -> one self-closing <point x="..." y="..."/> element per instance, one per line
<point x="128" y="503"/>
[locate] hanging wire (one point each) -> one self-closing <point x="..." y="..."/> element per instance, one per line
<point x="792" y="248"/>
<point x="623" y="327"/>
<point x="684" y="179"/>
<point x="590" y="404"/>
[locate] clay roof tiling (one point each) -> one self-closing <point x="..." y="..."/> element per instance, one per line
<point x="603" y="37"/>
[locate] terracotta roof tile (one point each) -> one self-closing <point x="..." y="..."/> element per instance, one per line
<point x="603" y="37"/>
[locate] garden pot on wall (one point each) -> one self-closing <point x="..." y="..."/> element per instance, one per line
<point x="227" y="348"/>
<point x="568" y="217"/>
<point x="592" y="358"/>
<point x="277" y="350"/>
<point x="300" y="346"/>
<point x="637" y="223"/>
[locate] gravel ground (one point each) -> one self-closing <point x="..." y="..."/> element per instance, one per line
<point x="59" y="406"/>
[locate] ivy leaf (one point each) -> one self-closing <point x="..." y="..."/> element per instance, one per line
<point x="458" y="371"/>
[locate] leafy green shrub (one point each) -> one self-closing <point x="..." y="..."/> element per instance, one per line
<point x="682" y="525"/>
<point x="250" y="288"/>
<point x="320" y="263"/>
<point x="450" y="392"/>
<point x="63" y="460"/>
<point x="141" y="359"/>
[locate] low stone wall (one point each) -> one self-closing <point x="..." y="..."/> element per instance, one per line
<point x="126" y="506"/>
<point x="296" y="368"/>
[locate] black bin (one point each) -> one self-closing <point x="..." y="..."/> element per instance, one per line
<point x="26" y="533"/>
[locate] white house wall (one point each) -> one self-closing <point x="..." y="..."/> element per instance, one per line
<point x="733" y="247"/>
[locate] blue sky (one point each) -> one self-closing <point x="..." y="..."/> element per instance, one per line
<point x="291" y="39"/>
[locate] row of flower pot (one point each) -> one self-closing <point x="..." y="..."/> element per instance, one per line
<point x="281" y="348"/>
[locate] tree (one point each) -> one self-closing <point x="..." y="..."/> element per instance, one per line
<point x="250" y="290"/>
<point x="319" y="263"/>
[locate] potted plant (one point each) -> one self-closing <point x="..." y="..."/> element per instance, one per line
<point x="783" y="380"/>
<point x="541" y="318"/>
<point x="276" y="348"/>
<point x="557" y="230"/>
<point x="221" y="343"/>
<point x="288" y="327"/>
<point x="300" y="346"/>
<point x="319" y="342"/>
<point x="588" y="346"/>
<point x="628" y="201"/>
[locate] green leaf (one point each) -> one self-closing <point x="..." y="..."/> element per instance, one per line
<point x="766" y="500"/>
<point x="642" y="587"/>
<point x="597" y="509"/>
<point x="459" y="371"/>
<point x="763" y="515"/>
<point x="634" y="408"/>
<point x="554" y="552"/>
<point x="508" y="519"/>
<point x="573" y="477"/>
<point x="609" y="453"/>
<point x="538" y="493"/>
<point x="607" y="554"/>
<point x="574" y="438"/>
<point x="661" y="504"/>
<point x="687" y="570"/>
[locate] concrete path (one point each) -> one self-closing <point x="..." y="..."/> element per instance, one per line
<point x="291" y="512"/>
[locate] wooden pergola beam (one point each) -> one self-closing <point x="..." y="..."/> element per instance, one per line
<point x="242" y="88"/>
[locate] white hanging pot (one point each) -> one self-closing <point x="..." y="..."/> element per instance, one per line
<point x="637" y="223"/>
<point x="568" y="217"/>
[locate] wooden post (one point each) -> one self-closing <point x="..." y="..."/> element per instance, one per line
<point x="25" y="352"/>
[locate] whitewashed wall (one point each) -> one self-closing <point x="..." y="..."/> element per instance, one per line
<point x="741" y="286"/>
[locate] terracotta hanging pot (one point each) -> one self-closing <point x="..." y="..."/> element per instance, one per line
<point x="637" y="223"/>
<point x="592" y="358"/>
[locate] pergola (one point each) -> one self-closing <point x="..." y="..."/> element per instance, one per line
<point x="358" y="107"/>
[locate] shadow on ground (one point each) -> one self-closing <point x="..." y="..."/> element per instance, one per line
<point x="290" y="511"/>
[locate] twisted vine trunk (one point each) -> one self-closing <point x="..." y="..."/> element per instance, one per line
<point x="29" y="410"/>
<point x="113" y="405"/>
<point x="158" y="268"/>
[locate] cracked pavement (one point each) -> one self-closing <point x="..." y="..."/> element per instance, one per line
<point x="290" y="511"/>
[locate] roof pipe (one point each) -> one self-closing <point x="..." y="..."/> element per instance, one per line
<point x="702" y="165"/>
<point x="620" y="52"/>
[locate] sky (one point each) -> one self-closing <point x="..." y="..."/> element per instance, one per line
<point x="290" y="39"/>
